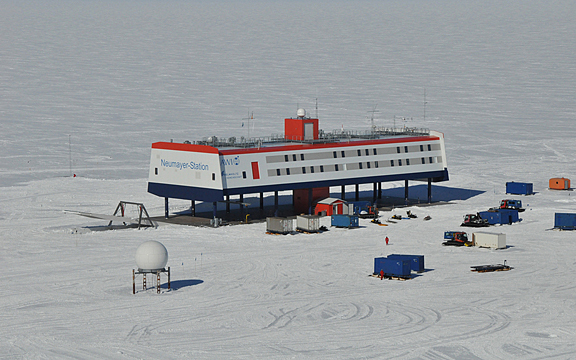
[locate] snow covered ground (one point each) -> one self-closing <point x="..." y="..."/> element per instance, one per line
<point x="87" y="86"/>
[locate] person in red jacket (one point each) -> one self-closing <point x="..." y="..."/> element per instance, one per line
<point x="386" y="240"/>
<point x="381" y="274"/>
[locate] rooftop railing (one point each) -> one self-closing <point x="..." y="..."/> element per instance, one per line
<point x="323" y="137"/>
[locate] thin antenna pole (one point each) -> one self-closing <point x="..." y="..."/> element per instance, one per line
<point x="70" y="152"/>
<point x="424" y="104"/>
<point x="316" y="108"/>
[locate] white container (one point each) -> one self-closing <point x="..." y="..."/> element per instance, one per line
<point x="489" y="240"/>
<point x="278" y="225"/>
<point x="308" y="223"/>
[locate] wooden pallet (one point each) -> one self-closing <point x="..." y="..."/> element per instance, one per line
<point x="389" y="277"/>
<point x="491" y="268"/>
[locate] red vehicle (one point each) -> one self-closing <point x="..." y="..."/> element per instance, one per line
<point x="474" y="220"/>
<point x="511" y="204"/>
<point x="456" y="238"/>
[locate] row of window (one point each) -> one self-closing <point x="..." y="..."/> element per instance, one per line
<point x="353" y="166"/>
<point x="351" y="153"/>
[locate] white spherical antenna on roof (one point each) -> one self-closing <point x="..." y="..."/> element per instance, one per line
<point x="301" y="113"/>
<point x="151" y="256"/>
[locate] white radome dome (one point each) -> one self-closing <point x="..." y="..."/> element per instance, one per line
<point x="151" y="255"/>
<point x="301" y="112"/>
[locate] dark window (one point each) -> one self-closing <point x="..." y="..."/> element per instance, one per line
<point x="287" y="171"/>
<point x="430" y="159"/>
<point x="400" y="162"/>
<point x="423" y="161"/>
<point x="360" y="166"/>
<point x="277" y="172"/>
<point x="286" y="158"/>
<point x="244" y="174"/>
<point x="156" y="171"/>
<point x="376" y="164"/>
<point x="343" y="153"/>
<point x="421" y="147"/>
<point x="405" y="149"/>
<point x="303" y="170"/>
<point x="407" y="161"/>
<point x="398" y="149"/>
<point x="429" y="147"/>
<point x="334" y="153"/>
<point x="374" y="151"/>
<point x="312" y="169"/>
<point x="293" y="157"/>
<point x="336" y="167"/>
<point x="391" y="162"/>
<point x="359" y="152"/>
<point x="213" y="177"/>
<point x="367" y="152"/>
<point x="302" y="157"/>
<point x="321" y="168"/>
<point x="368" y="165"/>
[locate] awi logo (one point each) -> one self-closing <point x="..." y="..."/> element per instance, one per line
<point x="229" y="162"/>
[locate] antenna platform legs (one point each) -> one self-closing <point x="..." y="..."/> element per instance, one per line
<point x="144" y="279"/>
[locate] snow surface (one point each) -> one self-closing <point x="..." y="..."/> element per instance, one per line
<point x="87" y="86"/>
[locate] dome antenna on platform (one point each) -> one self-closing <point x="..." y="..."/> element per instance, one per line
<point x="151" y="257"/>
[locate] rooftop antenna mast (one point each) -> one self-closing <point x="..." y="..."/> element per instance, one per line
<point x="424" y="104"/>
<point x="316" y="108"/>
<point x="250" y="116"/>
<point x="373" y="111"/>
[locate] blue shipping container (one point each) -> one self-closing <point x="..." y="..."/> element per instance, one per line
<point x="565" y="221"/>
<point x="416" y="261"/>
<point x="501" y="216"/>
<point x="348" y="221"/>
<point x="392" y="267"/>
<point x="519" y="188"/>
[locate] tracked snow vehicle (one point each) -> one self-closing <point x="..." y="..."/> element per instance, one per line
<point x="474" y="220"/>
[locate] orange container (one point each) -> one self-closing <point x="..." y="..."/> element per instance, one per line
<point x="559" y="184"/>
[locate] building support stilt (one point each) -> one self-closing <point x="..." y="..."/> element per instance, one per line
<point x="275" y="203"/>
<point x="310" y="192"/>
<point x="405" y="192"/>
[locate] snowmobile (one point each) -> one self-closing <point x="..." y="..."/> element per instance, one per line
<point x="410" y="215"/>
<point x="474" y="220"/>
